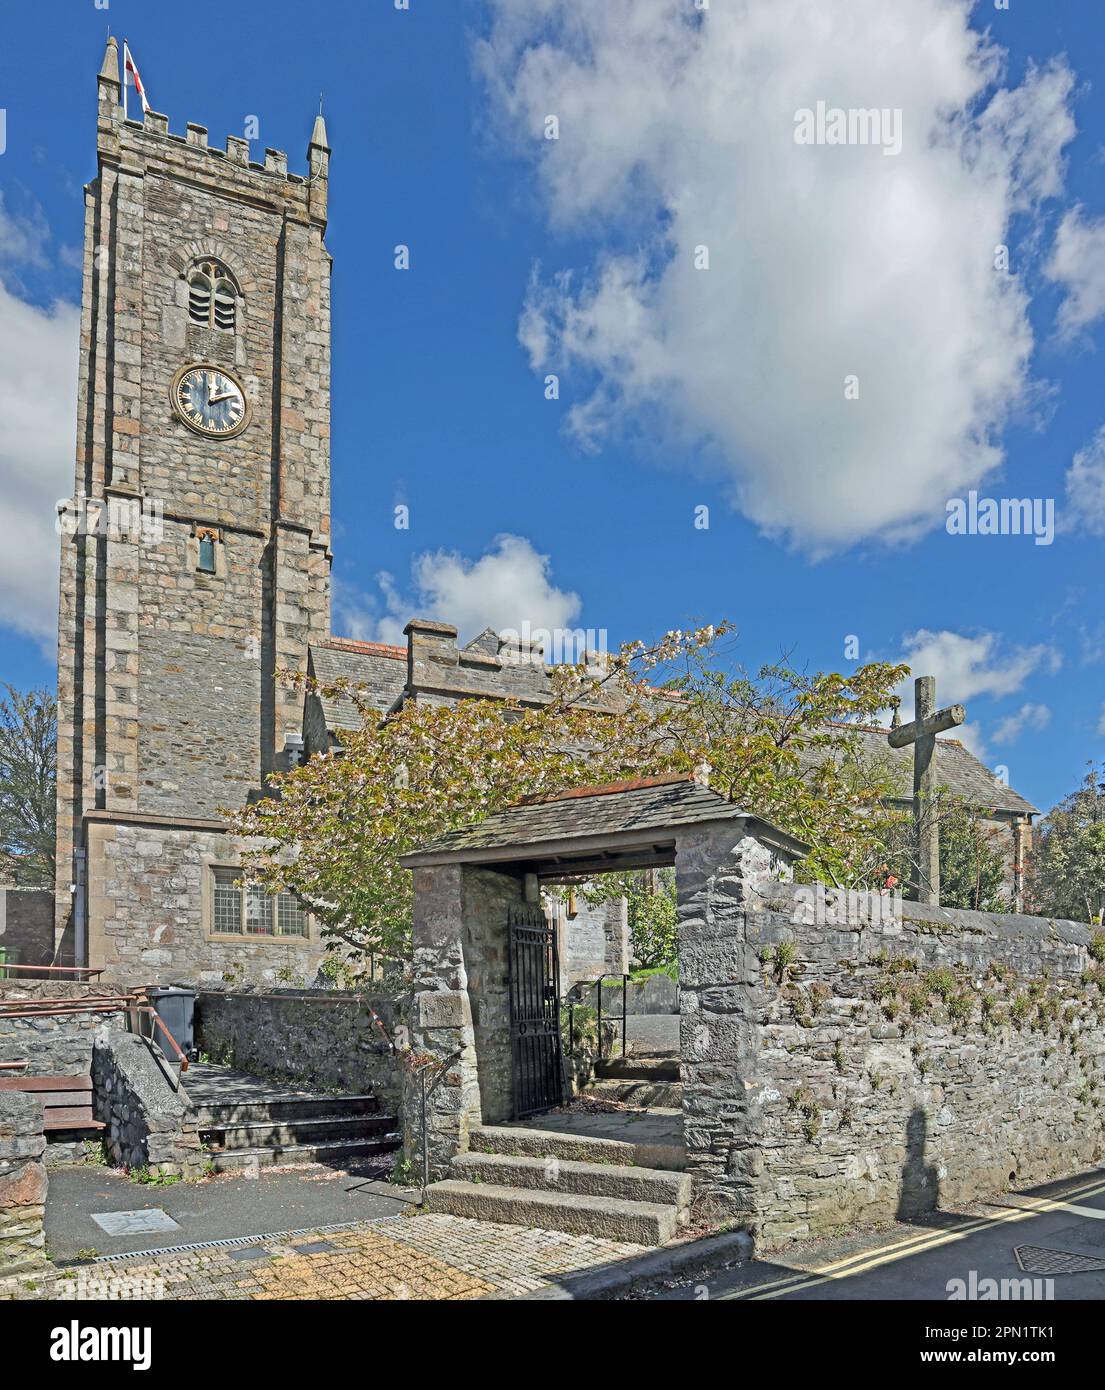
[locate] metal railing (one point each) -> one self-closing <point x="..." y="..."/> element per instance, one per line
<point x="13" y="969"/>
<point x="136" y="1006"/>
<point x="94" y="1004"/>
<point x="602" y="1018"/>
<point x="148" y="1011"/>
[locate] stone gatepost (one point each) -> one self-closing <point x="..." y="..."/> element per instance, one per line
<point x="23" y="1183"/>
<point x="460" y="1012"/>
<point x="718" y="867"/>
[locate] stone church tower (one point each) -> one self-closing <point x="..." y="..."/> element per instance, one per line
<point x="196" y="546"/>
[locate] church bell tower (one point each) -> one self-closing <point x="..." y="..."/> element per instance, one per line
<point x="195" y="549"/>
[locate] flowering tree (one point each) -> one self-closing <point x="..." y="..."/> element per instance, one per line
<point x="1068" y="877"/>
<point x="778" y="744"/>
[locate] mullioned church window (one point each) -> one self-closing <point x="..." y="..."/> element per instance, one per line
<point x="212" y="296"/>
<point x="244" y="909"/>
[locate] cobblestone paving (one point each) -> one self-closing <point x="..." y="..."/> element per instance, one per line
<point x="420" y="1257"/>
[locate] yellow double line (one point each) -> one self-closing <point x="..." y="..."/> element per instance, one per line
<point x="911" y="1245"/>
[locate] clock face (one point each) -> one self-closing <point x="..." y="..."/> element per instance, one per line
<point x="210" y="401"/>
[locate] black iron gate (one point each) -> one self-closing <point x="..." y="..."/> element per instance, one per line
<point x="534" y="1011"/>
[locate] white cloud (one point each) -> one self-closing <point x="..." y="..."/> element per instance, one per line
<point x="1035" y="718"/>
<point x="1101" y="722"/>
<point x="23" y="235"/>
<point x="38" y="379"/>
<point x="507" y="586"/>
<point x="823" y="261"/>
<point x="1078" y="264"/>
<point x="1085" y="509"/>
<point x="966" y="666"/>
<point x="969" y="666"/>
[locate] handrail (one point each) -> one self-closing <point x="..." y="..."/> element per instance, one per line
<point x="87" y="970"/>
<point x="597" y="983"/>
<point x="152" y="1012"/>
<point x="43" y="1008"/>
<point x="5" y="1066"/>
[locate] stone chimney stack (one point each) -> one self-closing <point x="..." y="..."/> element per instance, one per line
<point x="430" y="647"/>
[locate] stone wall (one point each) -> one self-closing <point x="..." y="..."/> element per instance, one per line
<point x="486" y="897"/>
<point x="140" y="1102"/>
<point x="850" y="1058"/>
<point x="460" y="1008"/>
<point x="23" y="1184"/>
<point x="592" y="942"/>
<point x="325" y="1039"/>
<point x="27" y="925"/>
<point x="150" y="911"/>
<point x="54" y="1044"/>
<point x="659" y="994"/>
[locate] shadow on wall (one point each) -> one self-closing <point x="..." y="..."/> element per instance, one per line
<point x="920" y="1189"/>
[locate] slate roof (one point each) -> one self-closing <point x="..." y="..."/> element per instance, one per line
<point x="957" y="769"/>
<point x="383" y="669"/>
<point x="650" y="803"/>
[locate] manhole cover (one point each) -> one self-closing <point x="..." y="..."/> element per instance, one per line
<point x="249" y="1252"/>
<point x="134" y="1223"/>
<point x="1035" y="1259"/>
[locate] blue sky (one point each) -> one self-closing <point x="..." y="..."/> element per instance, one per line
<point x="679" y="388"/>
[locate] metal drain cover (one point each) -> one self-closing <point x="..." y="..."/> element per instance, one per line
<point x="132" y="1223"/>
<point x="1035" y="1259"/>
<point x="315" y="1247"/>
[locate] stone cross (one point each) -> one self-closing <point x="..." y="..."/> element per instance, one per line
<point x="921" y="732"/>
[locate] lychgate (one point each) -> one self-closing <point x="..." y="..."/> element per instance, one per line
<point x="485" y="1003"/>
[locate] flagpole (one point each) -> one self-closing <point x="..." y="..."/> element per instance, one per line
<point x="126" y="51"/>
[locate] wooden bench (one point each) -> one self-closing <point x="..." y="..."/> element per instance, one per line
<point x="66" y="1100"/>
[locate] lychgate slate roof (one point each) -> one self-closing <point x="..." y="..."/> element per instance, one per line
<point x="620" y="809"/>
<point x="380" y="668"/>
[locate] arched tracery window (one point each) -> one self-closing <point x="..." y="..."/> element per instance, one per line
<point x="212" y="295"/>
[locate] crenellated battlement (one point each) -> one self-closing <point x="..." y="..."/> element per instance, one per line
<point x="151" y="135"/>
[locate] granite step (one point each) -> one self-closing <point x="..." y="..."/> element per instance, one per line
<point x="649" y="1095"/>
<point x="574" y="1148"/>
<point x="269" y="1134"/>
<point x="638" y="1223"/>
<point x="639" y="1068"/>
<point x="584" y="1179"/>
<point x="220" y="1114"/>
<point x="342" y="1151"/>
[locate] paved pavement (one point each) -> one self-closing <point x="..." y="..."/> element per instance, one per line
<point x="283" y="1199"/>
<point x="1058" y="1230"/>
<point x="428" y="1256"/>
<point x="654" y="1034"/>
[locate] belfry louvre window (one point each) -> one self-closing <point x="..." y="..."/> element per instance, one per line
<point x="206" y="552"/>
<point x="243" y="909"/>
<point x="212" y="300"/>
